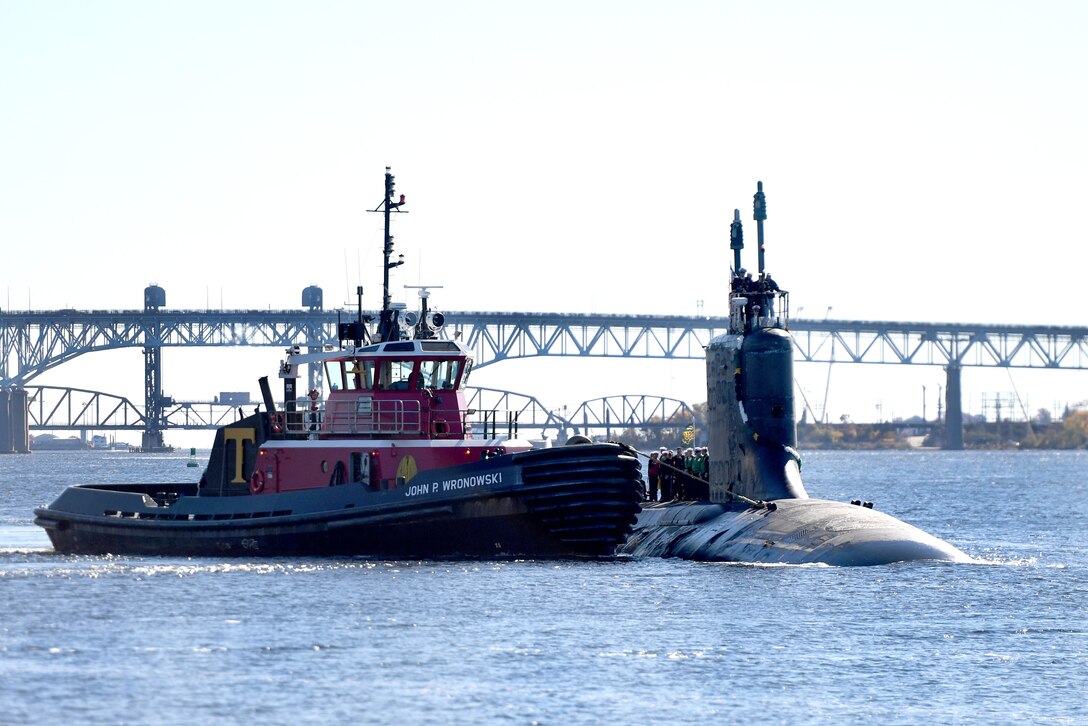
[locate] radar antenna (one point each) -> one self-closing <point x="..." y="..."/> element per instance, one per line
<point x="428" y="323"/>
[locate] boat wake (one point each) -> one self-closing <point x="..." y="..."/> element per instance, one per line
<point x="999" y="561"/>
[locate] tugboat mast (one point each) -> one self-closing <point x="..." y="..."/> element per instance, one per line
<point x="387" y="325"/>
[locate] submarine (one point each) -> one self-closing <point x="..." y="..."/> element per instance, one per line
<point x="755" y="509"/>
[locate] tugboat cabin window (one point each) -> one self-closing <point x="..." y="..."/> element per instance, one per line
<point x="428" y="346"/>
<point x="439" y="375"/>
<point x="395" y="375"/>
<point x="350" y="374"/>
<point x="361" y="374"/>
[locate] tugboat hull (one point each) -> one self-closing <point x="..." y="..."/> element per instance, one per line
<point x="578" y="501"/>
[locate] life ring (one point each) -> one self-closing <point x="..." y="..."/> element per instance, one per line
<point x="277" y="423"/>
<point x="440" y="427"/>
<point x="256" y="482"/>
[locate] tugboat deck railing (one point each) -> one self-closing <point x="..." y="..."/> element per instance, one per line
<point x="396" y="418"/>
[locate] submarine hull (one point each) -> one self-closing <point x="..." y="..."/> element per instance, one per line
<point x="792" y="531"/>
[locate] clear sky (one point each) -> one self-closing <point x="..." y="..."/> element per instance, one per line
<point x="922" y="161"/>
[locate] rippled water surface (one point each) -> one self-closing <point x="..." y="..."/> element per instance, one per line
<point x="171" y="640"/>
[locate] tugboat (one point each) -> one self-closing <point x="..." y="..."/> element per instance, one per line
<point x="391" y="463"/>
<point x="758" y="510"/>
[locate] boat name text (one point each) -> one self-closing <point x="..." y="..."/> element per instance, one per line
<point x="450" y="485"/>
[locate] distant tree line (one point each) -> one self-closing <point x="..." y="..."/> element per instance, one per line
<point x="1042" y="432"/>
<point x="1071" y="432"/>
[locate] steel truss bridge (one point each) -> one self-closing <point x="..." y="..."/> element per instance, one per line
<point x="33" y="342"/>
<point x="56" y="408"/>
<point x="36" y="341"/>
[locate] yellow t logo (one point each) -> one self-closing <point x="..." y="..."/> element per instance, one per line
<point x="239" y="436"/>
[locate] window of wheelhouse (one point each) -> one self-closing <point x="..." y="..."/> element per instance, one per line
<point x="438" y="375"/>
<point x="395" y="375"/>
<point x="350" y="375"/>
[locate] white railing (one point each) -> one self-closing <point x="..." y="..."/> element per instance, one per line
<point x="376" y="418"/>
<point x="395" y="418"/>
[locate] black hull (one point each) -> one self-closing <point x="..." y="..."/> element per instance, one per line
<point x="568" y="502"/>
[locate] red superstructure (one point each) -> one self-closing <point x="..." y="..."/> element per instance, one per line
<point x="393" y="409"/>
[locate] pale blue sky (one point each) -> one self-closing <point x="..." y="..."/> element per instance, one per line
<point x="922" y="160"/>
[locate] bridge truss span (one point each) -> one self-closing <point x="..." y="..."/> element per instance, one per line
<point x="500" y="336"/>
<point x="633" y="411"/>
<point x="37" y="341"/>
<point x="57" y="408"/>
<point x="33" y="342"/>
<point x="1007" y="346"/>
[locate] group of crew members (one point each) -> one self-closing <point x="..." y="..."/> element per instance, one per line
<point x="743" y="284"/>
<point x="760" y="293"/>
<point x="682" y="474"/>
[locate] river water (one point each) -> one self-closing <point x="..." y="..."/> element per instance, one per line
<point x="146" y="640"/>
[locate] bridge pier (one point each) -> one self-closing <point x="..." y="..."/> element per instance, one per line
<point x="154" y="401"/>
<point x="14" y="421"/>
<point x="151" y="439"/>
<point x="6" y="444"/>
<point x="313" y="300"/>
<point x="953" y="417"/>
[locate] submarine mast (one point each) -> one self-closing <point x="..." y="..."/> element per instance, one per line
<point x="753" y="434"/>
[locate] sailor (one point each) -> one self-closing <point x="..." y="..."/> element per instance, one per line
<point x="664" y="482"/>
<point x="667" y="474"/>
<point x="686" y="491"/>
<point x="738" y="281"/>
<point x="696" y="463"/>
<point x="704" y="473"/>
<point x="653" y="473"/>
<point x="678" y="475"/>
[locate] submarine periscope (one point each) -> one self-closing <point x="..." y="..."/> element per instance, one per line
<point x="758" y="510"/>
